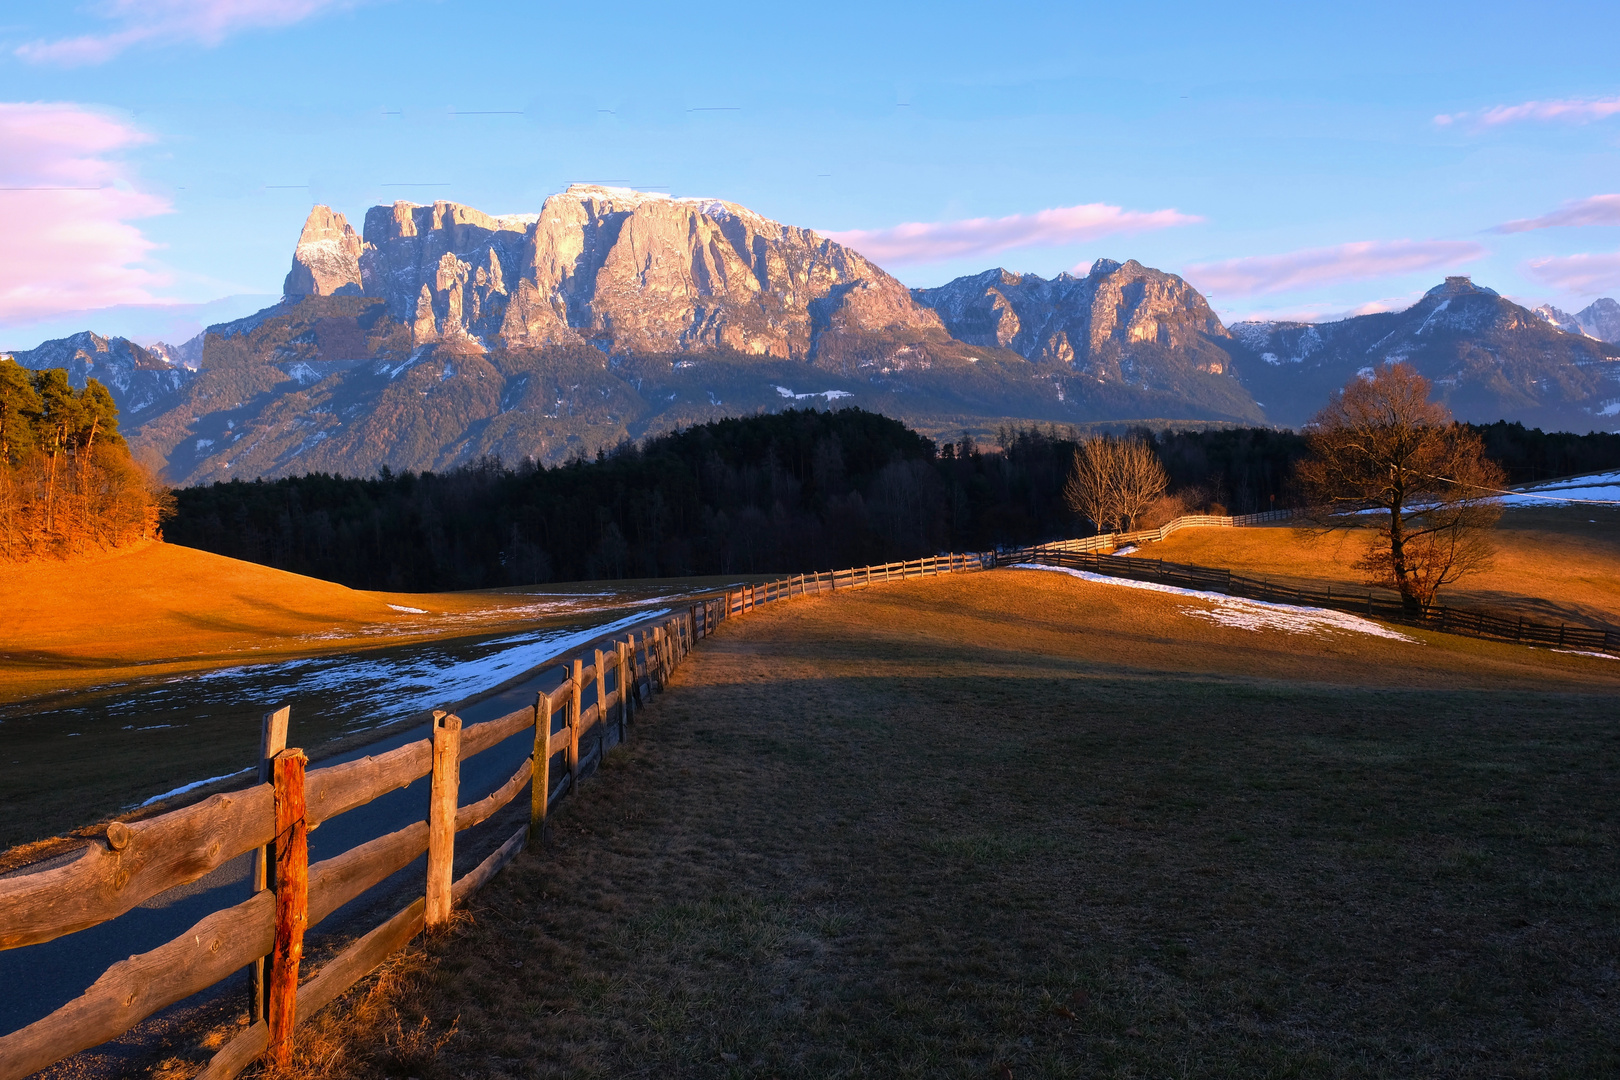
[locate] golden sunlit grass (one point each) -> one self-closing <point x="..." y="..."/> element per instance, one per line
<point x="1552" y="564"/>
<point x="161" y="609"/>
<point x="1019" y="821"/>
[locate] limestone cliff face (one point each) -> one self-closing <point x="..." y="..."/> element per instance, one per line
<point x="1120" y="322"/>
<point x="327" y="261"/>
<point x="625" y="271"/>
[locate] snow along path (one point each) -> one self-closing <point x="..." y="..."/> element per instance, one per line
<point x="387" y="688"/>
<point x="1247" y="614"/>
<point x="1599" y="488"/>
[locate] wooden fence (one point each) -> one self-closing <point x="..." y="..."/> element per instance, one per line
<point x="1110" y="541"/>
<point x="271" y="822"/>
<point x="1360" y="602"/>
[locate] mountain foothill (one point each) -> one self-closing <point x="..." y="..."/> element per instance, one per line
<point x="439" y="335"/>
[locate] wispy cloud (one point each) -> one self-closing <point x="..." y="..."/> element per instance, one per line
<point x="938" y="241"/>
<point x="1597" y="210"/>
<point x="68" y="203"/>
<point x="1312" y="267"/>
<point x="1565" y="110"/>
<point x="201" y="22"/>
<point x="1584" y="275"/>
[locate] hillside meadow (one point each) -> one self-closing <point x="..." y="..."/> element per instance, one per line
<point x="1552" y="564"/>
<point x="126" y="674"/>
<point x="1018" y="824"/>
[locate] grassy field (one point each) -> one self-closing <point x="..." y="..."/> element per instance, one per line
<point x="1552" y="564"/>
<point x="127" y="675"/>
<point x="161" y="610"/>
<point x="1015" y="824"/>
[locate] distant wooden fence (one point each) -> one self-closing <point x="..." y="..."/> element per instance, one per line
<point x="139" y="860"/>
<point x="1110" y="541"/>
<point x="1453" y="620"/>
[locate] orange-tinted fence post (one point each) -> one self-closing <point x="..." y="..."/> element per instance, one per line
<point x="292" y="903"/>
<point x="442" y="798"/>
<point x="576" y="689"/>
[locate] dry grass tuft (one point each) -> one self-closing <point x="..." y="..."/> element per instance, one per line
<point x="1016" y="824"/>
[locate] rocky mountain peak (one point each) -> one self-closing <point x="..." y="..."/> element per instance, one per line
<point x="327" y="259"/>
<point x="1560" y="318"/>
<point x="1458" y="285"/>
<point x="1601" y="319"/>
<point x="623" y="270"/>
<point x="138" y="377"/>
<point x="1116" y="317"/>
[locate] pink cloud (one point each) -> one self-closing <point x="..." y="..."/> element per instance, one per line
<point x="1568" y="110"/>
<point x="202" y="22"/>
<point x="1583" y="275"/>
<point x="1597" y="210"/>
<point x="68" y="205"/>
<point x="1258" y="274"/>
<point x="918" y="242"/>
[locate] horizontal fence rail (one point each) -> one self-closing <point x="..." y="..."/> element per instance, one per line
<point x="264" y="933"/>
<point x="1471" y="622"/>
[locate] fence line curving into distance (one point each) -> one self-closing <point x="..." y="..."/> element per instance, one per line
<point x="1452" y="620"/>
<point x="136" y="861"/>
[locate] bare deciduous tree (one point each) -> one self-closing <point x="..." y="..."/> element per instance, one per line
<point x="1386" y="458"/>
<point x="1113" y="481"/>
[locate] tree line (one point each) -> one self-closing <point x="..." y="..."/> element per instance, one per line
<point x="780" y="492"/>
<point x="67" y="482"/>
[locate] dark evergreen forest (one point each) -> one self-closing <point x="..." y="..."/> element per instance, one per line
<point x="776" y="493"/>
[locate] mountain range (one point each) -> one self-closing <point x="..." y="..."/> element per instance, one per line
<point x="440" y="334"/>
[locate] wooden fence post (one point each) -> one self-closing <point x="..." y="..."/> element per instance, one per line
<point x="292" y="903"/>
<point x="622" y="653"/>
<point x="442" y="796"/>
<point x="601" y="708"/>
<point x="635" y="670"/>
<point x="272" y="741"/>
<point x="575" y="679"/>
<point x="540" y="789"/>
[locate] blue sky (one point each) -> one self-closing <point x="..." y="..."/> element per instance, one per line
<point x="1287" y="159"/>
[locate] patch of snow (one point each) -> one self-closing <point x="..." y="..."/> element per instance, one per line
<point x="1270" y="358"/>
<point x="183" y="788"/>
<point x="408" y="610"/>
<point x="1602" y="487"/>
<point x="1587" y="652"/>
<point x="1245" y="614"/>
<point x="1126" y="550"/>
<point x="204" y="444"/>
<point x="830" y="395"/>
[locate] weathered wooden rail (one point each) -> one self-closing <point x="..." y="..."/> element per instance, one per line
<point x="272" y="819"/>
